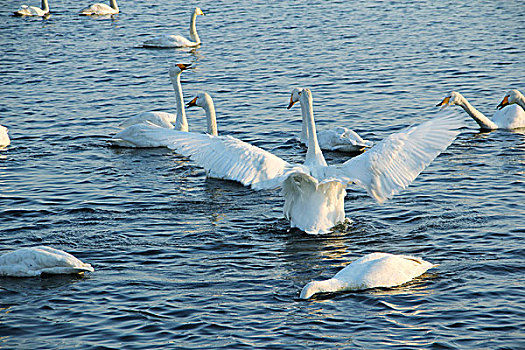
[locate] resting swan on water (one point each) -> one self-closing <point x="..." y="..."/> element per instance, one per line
<point x="101" y="9"/>
<point x="370" y="271"/>
<point x="314" y="192"/>
<point x="510" y="116"/>
<point x="130" y="136"/>
<point x="35" y="261"/>
<point x="25" y="10"/>
<point x="4" y="137"/>
<point x="172" y="41"/>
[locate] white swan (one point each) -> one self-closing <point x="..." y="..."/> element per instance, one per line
<point x="30" y="262"/>
<point x="131" y="138"/>
<point x="314" y="192"/>
<point x="4" y="137"/>
<point x="510" y="117"/>
<point x="512" y="97"/>
<point x="101" y="9"/>
<point x="25" y="10"/>
<point x="370" y="271"/>
<point x="337" y="139"/>
<point x="150" y="135"/>
<point x="171" y="41"/>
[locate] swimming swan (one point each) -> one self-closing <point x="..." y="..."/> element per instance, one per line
<point x="370" y="271"/>
<point x="314" y="192"/>
<point x="171" y="41"/>
<point x="25" y="10"/>
<point x="130" y="138"/>
<point x="4" y="137"/>
<point x="510" y="117"/>
<point x="151" y="135"/>
<point x="101" y="9"/>
<point x="337" y="139"/>
<point x="31" y="262"/>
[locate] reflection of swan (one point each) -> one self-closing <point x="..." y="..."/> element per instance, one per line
<point x="337" y="139"/>
<point x="25" y="10"/>
<point x="4" y="138"/>
<point x="30" y="262"/>
<point x="510" y="117"/>
<point x="151" y="135"/>
<point x="101" y="9"/>
<point x="169" y="41"/>
<point x="129" y="137"/>
<point x="314" y="192"/>
<point x="370" y="271"/>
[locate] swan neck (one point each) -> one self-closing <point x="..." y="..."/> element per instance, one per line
<point x="193" y="28"/>
<point x="211" y="120"/>
<point x="314" y="287"/>
<point x="480" y="118"/>
<point x="304" y="125"/>
<point x="521" y="101"/>
<point x="314" y="155"/>
<point x="181" y="122"/>
<point x="112" y="4"/>
<point x="45" y="6"/>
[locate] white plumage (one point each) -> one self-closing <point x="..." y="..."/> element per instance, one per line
<point x="510" y="116"/>
<point x="173" y="41"/>
<point x="370" y="271"/>
<point x="31" y="262"/>
<point x="25" y="10"/>
<point x="101" y="9"/>
<point x="314" y="192"/>
<point x="4" y="137"/>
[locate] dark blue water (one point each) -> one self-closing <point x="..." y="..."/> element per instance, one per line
<point x="185" y="262"/>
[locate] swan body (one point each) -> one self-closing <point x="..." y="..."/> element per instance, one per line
<point x="4" y="137"/>
<point x="25" y="10"/>
<point x="370" y="271"/>
<point x="131" y="137"/>
<point x="35" y="261"/>
<point x="101" y="9"/>
<point x="511" y="115"/>
<point x="173" y="41"/>
<point x="313" y="191"/>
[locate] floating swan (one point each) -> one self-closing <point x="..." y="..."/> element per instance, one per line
<point x="4" y="137"/>
<point x="171" y="41"/>
<point x="337" y="139"/>
<point x="30" y="262"/>
<point x="25" y="10"/>
<point x="510" y="117"/>
<point x="370" y="271"/>
<point x="314" y="192"/>
<point x="512" y="97"/>
<point x="150" y="135"/>
<point x="101" y="9"/>
<point x="131" y="138"/>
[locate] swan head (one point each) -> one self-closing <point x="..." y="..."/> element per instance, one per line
<point x="296" y="95"/>
<point x="198" y="11"/>
<point x="454" y="98"/>
<point x="177" y="68"/>
<point x="201" y="100"/>
<point x="511" y="97"/>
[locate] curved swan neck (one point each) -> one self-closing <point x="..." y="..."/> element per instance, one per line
<point x="314" y="155"/>
<point x="483" y="122"/>
<point x="211" y="120"/>
<point x="112" y="4"/>
<point x="314" y="287"/>
<point x="45" y="6"/>
<point x="521" y="101"/>
<point x="193" y="28"/>
<point x="181" y="123"/>
<point x="304" y="125"/>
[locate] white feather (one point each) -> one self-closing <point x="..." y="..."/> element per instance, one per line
<point x="174" y="41"/>
<point x="4" y="137"/>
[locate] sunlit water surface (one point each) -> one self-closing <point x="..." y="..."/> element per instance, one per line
<point x="186" y="262"/>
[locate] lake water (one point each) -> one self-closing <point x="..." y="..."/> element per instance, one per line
<point x="186" y="262"/>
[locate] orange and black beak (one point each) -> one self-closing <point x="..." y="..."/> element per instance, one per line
<point x="445" y="102"/>
<point x="292" y="102"/>
<point x="183" y="66"/>
<point x="192" y="103"/>
<point x="504" y="102"/>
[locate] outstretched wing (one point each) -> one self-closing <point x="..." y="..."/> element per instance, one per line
<point x="395" y="162"/>
<point x="229" y="158"/>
